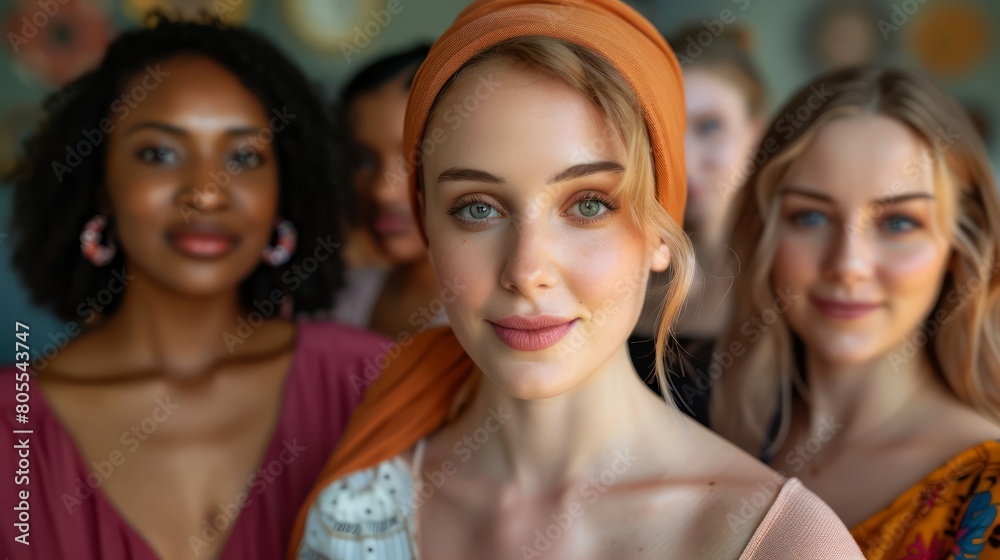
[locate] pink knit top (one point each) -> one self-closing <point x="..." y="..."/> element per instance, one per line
<point x="800" y="526"/>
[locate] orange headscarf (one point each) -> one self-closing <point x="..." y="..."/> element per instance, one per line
<point x="415" y="394"/>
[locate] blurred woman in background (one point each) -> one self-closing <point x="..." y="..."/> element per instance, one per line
<point x="726" y="102"/>
<point x="172" y="200"/>
<point x="867" y="315"/>
<point x="385" y="290"/>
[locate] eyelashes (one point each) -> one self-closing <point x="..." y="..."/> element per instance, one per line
<point x="585" y="208"/>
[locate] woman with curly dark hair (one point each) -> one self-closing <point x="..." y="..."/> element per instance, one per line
<point x="175" y="200"/>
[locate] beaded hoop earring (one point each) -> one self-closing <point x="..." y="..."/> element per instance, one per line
<point x="281" y="252"/>
<point x="90" y="242"/>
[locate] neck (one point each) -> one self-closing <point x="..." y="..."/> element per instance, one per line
<point x="550" y="443"/>
<point x="174" y="334"/>
<point x="868" y="401"/>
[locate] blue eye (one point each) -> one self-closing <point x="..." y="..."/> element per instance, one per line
<point x="709" y="126"/>
<point x="158" y="155"/>
<point x="809" y="219"/>
<point x="900" y="224"/>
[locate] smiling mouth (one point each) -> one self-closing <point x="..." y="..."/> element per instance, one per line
<point x="526" y="334"/>
<point x="204" y="245"/>
<point x="844" y="310"/>
<point x="393" y="223"/>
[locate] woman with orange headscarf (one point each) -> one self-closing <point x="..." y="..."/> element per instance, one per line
<point x="546" y="139"/>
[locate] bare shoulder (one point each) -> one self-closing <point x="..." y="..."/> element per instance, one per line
<point x="954" y="427"/>
<point x="741" y="490"/>
<point x="707" y="498"/>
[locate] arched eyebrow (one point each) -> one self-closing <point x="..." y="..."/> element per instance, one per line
<point x="178" y="131"/>
<point x="584" y="169"/>
<point x="885" y="201"/>
<point x="471" y="175"/>
<point x="789" y="189"/>
<point x="903" y="198"/>
<point x="574" y="172"/>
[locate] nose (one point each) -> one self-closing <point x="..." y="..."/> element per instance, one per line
<point x="849" y="259"/>
<point x="206" y="187"/>
<point x="529" y="268"/>
<point x="389" y="186"/>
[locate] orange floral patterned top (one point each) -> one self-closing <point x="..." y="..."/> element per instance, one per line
<point x="950" y="515"/>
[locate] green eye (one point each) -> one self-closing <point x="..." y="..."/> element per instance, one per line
<point x="479" y="210"/>
<point x="475" y="213"/>
<point x="589" y="208"/>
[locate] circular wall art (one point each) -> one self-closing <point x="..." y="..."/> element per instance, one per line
<point x="57" y="47"/>
<point x="950" y="39"/>
<point x="843" y="34"/>
<point x="342" y="26"/>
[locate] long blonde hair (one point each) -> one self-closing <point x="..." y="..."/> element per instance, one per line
<point x="755" y="389"/>
<point x="598" y="81"/>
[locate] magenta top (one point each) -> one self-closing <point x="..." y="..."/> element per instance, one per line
<point x="322" y="389"/>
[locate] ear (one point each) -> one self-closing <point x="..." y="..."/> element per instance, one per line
<point x="660" y="258"/>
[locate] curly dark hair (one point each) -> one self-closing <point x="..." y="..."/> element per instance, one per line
<point x="53" y="200"/>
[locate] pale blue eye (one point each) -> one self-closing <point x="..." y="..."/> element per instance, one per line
<point x="809" y="219"/>
<point x="709" y="126"/>
<point x="898" y="224"/>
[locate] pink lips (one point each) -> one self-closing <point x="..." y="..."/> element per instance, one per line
<point x="393" y="223"/>
<point x="202" y="241"/>
<point x="844" y="309"/>
<point x="531" y="334"/>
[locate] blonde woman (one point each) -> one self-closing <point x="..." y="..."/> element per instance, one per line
<point x="865" y="354"/>
<point x="523" y="430"/>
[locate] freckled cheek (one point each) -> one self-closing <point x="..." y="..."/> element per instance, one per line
<point x="603" y="271"/>
<point x="467" y="260"/>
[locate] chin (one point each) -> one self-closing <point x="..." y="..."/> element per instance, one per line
<point x="846" y="350"/>
<point x="532" y="382"/>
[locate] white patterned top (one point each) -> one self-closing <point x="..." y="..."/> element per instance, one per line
<point x="367" y="515"/>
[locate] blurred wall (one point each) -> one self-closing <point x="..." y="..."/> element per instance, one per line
<point x="786" y="33"/>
